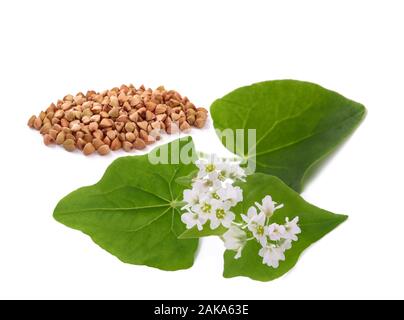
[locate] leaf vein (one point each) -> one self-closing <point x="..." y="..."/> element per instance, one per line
<point x="111" y="209"/>
<point x="134" y="187"/>
<point x="306" y="137"/>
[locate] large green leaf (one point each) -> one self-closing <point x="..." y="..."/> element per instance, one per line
<point x="133" y="211"/>
<point x="297" y="124"/>
<point x="314" y="222"/>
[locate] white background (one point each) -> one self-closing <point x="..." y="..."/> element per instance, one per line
<point x="203" y="49"/>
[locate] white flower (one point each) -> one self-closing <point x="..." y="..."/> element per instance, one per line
<point x="231" y="170"/>
<point x="268" y="206"/>
<point x="285" y="245"/>
<point x="207" y="167"/>
<point x="271" y="255"/>
<point x="237" y="173"/>
<point x="235" y="239"/>
<point x="209" y="182"/>
<point x="230" y="194"/>
<point x="226" y="169"/>
<point x="191" y="197"/>
<point x="205" y="206"/>
<point x="221" y="216"/>
<point x="192" y="219"/>
<point x="292" y="229"/>
<point x="275" y="232"/>
<point x="256" y="224"/>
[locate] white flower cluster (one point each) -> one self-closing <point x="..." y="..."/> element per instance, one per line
<point x="275" y="239"/>
<point x="211" y="199"/>
<point x="213" y="195"/>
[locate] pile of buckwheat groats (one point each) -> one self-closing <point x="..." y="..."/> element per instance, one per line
<point x="124" y="117"/>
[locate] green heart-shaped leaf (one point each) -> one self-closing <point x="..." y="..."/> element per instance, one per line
<point x="314" y="223"/>
<point x="297" y="124"/>
<point x="133" y="211"/>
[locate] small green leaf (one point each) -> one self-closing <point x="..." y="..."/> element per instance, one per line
<point x="315" y="223"/>
<point x="133" y="211"/>
<point x="186" y="181"/>
<point x="297" y="124"/>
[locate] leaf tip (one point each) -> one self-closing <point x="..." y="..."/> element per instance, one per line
<point x="343" y="218"/>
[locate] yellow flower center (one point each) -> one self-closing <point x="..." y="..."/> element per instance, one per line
<point x="220" y="213"/>
<point x="210" y="168"/>
<point x="206" y="208"/>
<point x="215" y="196"/>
